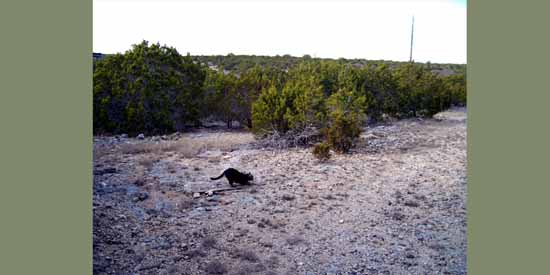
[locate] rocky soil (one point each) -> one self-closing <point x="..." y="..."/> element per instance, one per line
<point x="395" y="205"/>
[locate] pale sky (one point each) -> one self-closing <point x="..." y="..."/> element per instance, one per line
<point x="331" y="29"/>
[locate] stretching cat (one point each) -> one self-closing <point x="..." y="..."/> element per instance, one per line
<point x="233" y="175"/>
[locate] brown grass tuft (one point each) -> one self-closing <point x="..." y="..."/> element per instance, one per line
<point x="100" y="152"/>
<point x="294" y="240"/>
<point x="215" y="267"/>
<point x="209" y="242"/>
<point x="247" y="255"/>
<point x="147" y="161"/>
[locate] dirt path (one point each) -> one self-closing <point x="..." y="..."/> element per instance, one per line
<point x="396" y="205"/>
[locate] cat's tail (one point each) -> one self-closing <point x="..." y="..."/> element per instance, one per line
<point x="217" y="177"/>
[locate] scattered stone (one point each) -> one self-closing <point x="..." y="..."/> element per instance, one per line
<point x="401" y="239"/>
<point x="141" y="136"/>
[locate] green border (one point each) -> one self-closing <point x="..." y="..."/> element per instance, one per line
<point x="508" y="137"/>
<point x="46" y="136"/>
<point x="45" y="148"/>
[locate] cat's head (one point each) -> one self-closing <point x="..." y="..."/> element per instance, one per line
<point x="249" y="177"/>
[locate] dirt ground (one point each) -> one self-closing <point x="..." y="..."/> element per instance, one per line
<point x="395" y="205"/>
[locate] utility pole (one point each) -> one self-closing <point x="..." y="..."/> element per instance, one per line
<point x="412" y="35"/>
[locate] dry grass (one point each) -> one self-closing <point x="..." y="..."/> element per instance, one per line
<point x="146" y="148"/>
<point x="294" y="240"/>
<point x="209" y="242"/>
<point x="188" y="146"/>
<point x="247" y="255"/>
<point x="215" y="267"/>
<point x="100" y="152"/>
<point x="245" y="269"/>
<point x="184" y="204"/>
<point x="147" y="161"/>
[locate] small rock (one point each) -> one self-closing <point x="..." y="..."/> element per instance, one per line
<point x="141" y="136"/>
<point x="420" y="197"/>
<point x="411" y="203"/>
<point x="341" y="221"/>
<point x="278" y="210"/>
<point x="139" y="182"/>
<point x="111" y="170"/>
<point x="210" y="193"/>
<point x="213" y="198"/>
<point x="196" y="195"/>
<point x="288" y="197"/>
<point x="141" y="196"/>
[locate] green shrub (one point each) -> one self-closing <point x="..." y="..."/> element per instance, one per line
<point x="342" y="133"/>
<point x="322" y="151"/>
<point x="268" y="113"/>
<point x="148" y="89"/>
<point x="153" y="89"/>
<point x="347" y="113"/>
<point x="297" y="106"/>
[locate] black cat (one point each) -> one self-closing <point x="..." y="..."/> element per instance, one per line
<point x="233" y="175"/>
